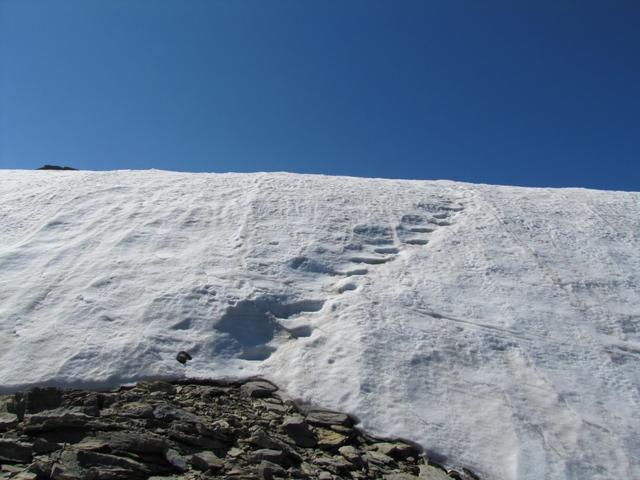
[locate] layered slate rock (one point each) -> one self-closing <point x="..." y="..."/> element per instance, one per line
<point x="193" y="430"/>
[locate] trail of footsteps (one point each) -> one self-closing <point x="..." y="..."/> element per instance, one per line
<point x="253" y="328"/>
<point x="378" y="244"/>
<point x="370" y="246"/>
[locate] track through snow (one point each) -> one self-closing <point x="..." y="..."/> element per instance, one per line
<point x="498" y="327"/>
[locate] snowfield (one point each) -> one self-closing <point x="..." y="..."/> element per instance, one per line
<point x="498" y="327"/>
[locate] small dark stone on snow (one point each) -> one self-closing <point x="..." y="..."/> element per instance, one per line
<point x="183" y="357"/>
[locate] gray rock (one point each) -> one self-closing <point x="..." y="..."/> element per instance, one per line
<point x="351" y="454"/>
<point x="269" y="470"/>
<point x="186" y="432"/>
<point x="298" y="430"/>
<point x="328" y="418"/>
<point x="42" y="446"/>
<point x="401" y="476"/>
<point x="378" y="458"/>
<point x="333" y="463"/>
<point x="176" y="460"/>
<point x="25" y="476"/>
<point x="137" y="441"/>
<point x="11" y="469"/>
<point x="156" y="386"/>
<point x="7" y="404"/>
<point x="330" y="440"/>
<point x="62" y="418"/>
<point x="427" y="472"/>
<point x="207" y="461"/>
<point x="130" y="409"/>
<point x="79" y="464"/>
<point x="92" y="444"/>
<point x="85" y="402"/>
<point x="7" y="421"/>
<point x="196" y="440"/>
<point x="261" y="439"/>
<point x="106" y="399"/>
<point x="258" y="388"/>
<point x="14" y="451"/>
<point x="40" y="399"/>
<point x="235" y="452"/>
<point x="169" y="413"/>
<point x="396" y="450"/>
<point x="275" y="456"/>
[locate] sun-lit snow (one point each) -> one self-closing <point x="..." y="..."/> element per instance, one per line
<point x="498" y="327"/>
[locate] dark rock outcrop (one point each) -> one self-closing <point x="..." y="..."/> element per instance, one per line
<point x="55" y="167"/>
<point x="188" y="431"/>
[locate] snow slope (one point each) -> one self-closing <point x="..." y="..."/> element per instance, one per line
<point x="498" y="327"/>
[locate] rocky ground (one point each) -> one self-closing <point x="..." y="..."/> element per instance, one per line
<point x="196" y="430"/>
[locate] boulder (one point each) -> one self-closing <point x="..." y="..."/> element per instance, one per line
<point x="130" y="409"/>
<point x="41" y="399"/>
<point x="330" y="440"/>
<point x="336" y="464"/>
<point x="14" y="451"/>
<point x="176" y="460"/>
<point x="61" y="418"/>
<point x="378" y="458"/>
<point x="351" y="454"/>
<point x="400" y="476"/>
<point x="207" y="461"/>
<point x="7" y="421"/>
<point x="275" y="456"/>
<point x="396" y="450"/>
<point x="328" y="418"/>
<point x="428" y="472"/>
<point x="75" y="464"/>
<point x="298" y="430"/>
<point x="258" y="388"/>
<point x="269" y="470"/>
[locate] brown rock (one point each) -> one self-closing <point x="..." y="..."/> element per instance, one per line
<point x="330" y="440"/>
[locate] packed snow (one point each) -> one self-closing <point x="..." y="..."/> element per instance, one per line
<point x="498" y="327"/>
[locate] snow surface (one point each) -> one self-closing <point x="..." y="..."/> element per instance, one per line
<point x="498" y="327"/>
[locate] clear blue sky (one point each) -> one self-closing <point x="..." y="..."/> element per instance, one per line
<point x="542" y="93"/>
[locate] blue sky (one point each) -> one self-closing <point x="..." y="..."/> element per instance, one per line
<point x="540" y="93"/>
